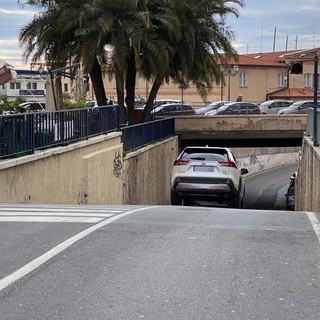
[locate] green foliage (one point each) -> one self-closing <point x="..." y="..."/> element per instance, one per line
<point x="6" y="105"/>
<point x="74" y="105"/>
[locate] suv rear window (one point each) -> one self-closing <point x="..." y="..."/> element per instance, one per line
<point x="207" y="154"/>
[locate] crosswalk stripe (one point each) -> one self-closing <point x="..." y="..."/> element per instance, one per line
<point x="56" y="214"/>
<point x="52" y="213"/>
<point x="23" y="209"/>
<point x="50" y="219"/>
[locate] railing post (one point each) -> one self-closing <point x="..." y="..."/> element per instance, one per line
<point x="315" y="101"/>
<point x="31" y="132"/>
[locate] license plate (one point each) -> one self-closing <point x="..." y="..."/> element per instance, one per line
<point x="203" y="168"/>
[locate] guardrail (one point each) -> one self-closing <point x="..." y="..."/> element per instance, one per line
<point x="311" y="124"/>
<point x="24" y="133"/>
<point x="139" y="135"/>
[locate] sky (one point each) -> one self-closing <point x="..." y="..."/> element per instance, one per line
<point x="263" y="26"/>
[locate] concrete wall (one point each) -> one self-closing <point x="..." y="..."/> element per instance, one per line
<point x="261" y="159"/>
<point x="147" y="173"/>
<point x="95" y="172"/>
<point x="87" y="172"/>
<point x="308" y="179"/>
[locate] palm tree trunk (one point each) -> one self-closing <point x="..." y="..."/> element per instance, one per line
<point x="130" y="88"/>
<point x="97" y="83"/>
<point x="120" y="97"/>
<point x="146" y="116"/>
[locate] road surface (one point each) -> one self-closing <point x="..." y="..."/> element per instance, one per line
<point x="162" y="262"/>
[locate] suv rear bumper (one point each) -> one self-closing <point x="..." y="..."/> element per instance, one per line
<point x="204" y="189"/>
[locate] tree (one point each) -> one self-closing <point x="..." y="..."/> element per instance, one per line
<point x="160" y="40"/>
<point x="196" y="57"/>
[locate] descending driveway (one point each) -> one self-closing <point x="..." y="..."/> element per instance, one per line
<point x="164" y="262"/>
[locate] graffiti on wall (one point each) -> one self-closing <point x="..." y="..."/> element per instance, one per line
<point x="117" y="164"/>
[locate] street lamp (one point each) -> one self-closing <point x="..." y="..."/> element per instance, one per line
<point x="229" y="71"/>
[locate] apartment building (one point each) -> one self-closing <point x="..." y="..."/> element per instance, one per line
<point x="257" y="77"/>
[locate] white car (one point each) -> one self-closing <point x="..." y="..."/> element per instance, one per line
<point x="207" y="173"/>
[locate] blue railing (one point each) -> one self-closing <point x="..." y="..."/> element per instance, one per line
<point x="139" y="135"/>
<point x="22" y="134"/>
<point x="313" y="120"/>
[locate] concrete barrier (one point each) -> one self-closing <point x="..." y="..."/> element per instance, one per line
<point x="307" y="187"/>
<point x="261" y="159"/>
<point x="87" y="172"/>
<point x="147" y="173"/>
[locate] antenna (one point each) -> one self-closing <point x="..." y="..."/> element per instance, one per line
<point x="261" y="38"/>
<point x="287" y="43"/>
<point x="274" y="39"/>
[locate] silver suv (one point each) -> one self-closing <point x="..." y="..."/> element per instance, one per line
<point x="207" y="173"/>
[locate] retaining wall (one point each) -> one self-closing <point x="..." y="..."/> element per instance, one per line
<point x="308" y="179"/>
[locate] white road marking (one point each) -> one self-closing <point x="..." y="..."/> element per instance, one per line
<point x="51" y="219"/>
<point x="51" y="214"/>
<point x="315" y="223"/>
<point x="55" y="214"/>
<point x="23" y="271"/>
<point x="64" y="209"/>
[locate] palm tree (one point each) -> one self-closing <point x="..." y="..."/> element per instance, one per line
<point x="159" y="40"/>
<point x="196" y="56"/>
<point x="53" y="34"/>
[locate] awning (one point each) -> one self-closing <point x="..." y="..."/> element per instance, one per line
<point x="7" y="73"/>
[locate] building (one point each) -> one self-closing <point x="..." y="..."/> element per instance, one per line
<point x="257" y="77"/>
<point x="29" y="86"/>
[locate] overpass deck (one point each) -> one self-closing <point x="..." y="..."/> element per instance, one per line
<point x="253" y="129"/>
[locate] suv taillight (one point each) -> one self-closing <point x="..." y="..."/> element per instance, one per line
<point x="180" y="162"/>
<point x="227" y="163"/>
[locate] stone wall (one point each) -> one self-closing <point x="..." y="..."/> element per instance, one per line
<point x="87" y="172"/>
<point x="147" y="173"/>
<point x="308" y="179"/>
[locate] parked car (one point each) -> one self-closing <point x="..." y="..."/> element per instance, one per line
<point x="212" y="107"/>
<point x="160" y="102"/>
<point x="290" y="198"/>
<point x="274" y="106"/>
<point x="173" y="109"/>
<point x="32" y="106"/>
<point x="299" y="107"/>
<point x="91" y="103"/>
<point x="239" y="108"/>
<point x="207" y="173"/>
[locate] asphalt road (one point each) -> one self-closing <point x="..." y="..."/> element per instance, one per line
<point x="267" y="190"/>
<point x="163" y="262"/>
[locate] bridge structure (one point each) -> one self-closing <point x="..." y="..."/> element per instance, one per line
<point x="242" y="131"/>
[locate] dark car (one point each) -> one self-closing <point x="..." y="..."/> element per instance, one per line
<point x="238" y="108"/>
<point x="290" y="198"/>
<point x="173" y="109"/>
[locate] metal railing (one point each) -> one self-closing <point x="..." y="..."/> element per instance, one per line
<point x="139" y="135"/>
<point x="24" y="133"/>
<point x="315" y="136"/>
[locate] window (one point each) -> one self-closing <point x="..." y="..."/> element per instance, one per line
<point x="243" y="76"/>
<point x="65" y="87"/>
<point x="34" y="86"/>
<point x="282" y="78"/>
<point x="15" y="85"/>
<point x="308" y="80"/>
